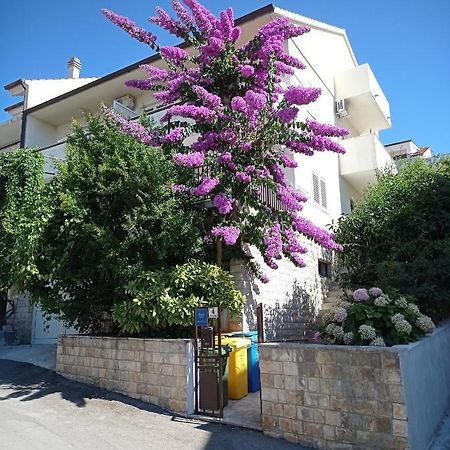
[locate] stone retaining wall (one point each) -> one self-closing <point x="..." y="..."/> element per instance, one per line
<point x="335" y="397"/>
<point x="159" y="371"/>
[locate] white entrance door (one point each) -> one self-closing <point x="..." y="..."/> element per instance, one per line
<point x="46" y="330"/>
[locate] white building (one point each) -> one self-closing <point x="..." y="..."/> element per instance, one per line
<point x="351" y="97"/>
<point x="408" y="150"/>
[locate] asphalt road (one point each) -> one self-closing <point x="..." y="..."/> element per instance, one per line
<point x="42" y="410"/>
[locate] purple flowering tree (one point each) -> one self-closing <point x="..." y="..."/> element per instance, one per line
<point x="229" y="98"/>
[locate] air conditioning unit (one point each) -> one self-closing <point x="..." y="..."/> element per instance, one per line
<point x="340" y="108"/>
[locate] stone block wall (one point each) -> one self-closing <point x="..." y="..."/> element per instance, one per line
<point x="333" y="397"/>
<point x="339" y="397"/>
<point x="159" y="371"/>
<point x="291" y="299"/>
<point x="21" y="322"/>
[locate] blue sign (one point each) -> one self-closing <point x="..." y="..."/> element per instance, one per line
<point x="201" y="317"/>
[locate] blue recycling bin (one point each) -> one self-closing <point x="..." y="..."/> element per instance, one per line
<point x="254" y="382"/>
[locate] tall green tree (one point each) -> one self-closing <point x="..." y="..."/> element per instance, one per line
<point x="110" y="216"/>
<point x="398" y="236"/>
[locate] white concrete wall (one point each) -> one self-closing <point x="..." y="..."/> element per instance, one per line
<point x="425" y="368"/>
<point x="39" y="133"/>
<point x="39" y="91"/>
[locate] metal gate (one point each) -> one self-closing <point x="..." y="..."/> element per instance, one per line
<point x="209" y="363"/>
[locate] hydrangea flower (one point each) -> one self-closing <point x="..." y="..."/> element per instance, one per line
<point x="335" y="330"/>
<point x="348" y="338"/>
<point x="425" y="323"/>
<point x="328" y="317"/>
<point x="381" y="301"/>
<point x="401" y="302"/>
<point x="340" y="314"/>
<point x="345" y="305"/>
<point x="413" y="309"/>
<point x="317" y="336"/>
<point x="360" y="295"/>
<point x="403" y="326"/>
<point x="377" y="342"/>
<point x="375" y="292"/>
<point x="367" y="332"/>
<point x="397" y="317"/>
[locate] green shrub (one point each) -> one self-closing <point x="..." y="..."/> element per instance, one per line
<point x="21" y="211"/>
<point x="373" y="318"/>
<point x="398" y="236"/>
<point x="167" y="298"/>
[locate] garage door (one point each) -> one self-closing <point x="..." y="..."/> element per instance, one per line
<point x="47" y="329"/>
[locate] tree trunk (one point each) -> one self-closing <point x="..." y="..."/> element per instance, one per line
<point x="219" y="251"/>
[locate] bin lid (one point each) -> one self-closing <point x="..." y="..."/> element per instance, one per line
<point x="236" y="342"/>
<point x="252" y="335"/>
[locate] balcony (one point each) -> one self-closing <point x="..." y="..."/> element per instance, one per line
<point x="364" y="156"/>
<point x="366" y="105"/>
<point x="53" y="154"/>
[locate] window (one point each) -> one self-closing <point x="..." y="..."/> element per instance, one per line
<point x="319" y="191"/>
<point x="324" y="269"/>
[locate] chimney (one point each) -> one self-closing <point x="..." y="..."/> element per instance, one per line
<point x="74" y="66"/>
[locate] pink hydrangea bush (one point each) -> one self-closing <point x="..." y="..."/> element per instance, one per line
<point x="229" y="95"/>
<point x="370" y="317"/>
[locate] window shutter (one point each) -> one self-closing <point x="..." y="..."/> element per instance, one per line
<point x="323" y="193"/>
<point x="316" y="188"/>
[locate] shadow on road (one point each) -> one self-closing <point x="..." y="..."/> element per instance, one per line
<point x="28" y="382"/>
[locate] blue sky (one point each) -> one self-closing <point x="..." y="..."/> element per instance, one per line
<point x="407" y="44"/>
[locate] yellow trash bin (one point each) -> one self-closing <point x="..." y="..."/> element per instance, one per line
<point x="237" y="367"/>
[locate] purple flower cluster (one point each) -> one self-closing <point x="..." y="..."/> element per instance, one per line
<point x="288" y="162"/>
<point x="174" y="27"/>
<point x="175" y="135"/>
<point x="290" y="198"/>
<point x="274" y="245"/>
<point x="241" y="128"/>
<point x="131" y="28"/>
<point x="360" y="295"/>
<point x="299" y="95"/>
<point x="229" y="234"/>
<point x="131" y="128"/>
<point x="322" y="237"/>
<point x="246" y="70"/>
<point x="287" y="115"/>
<point x="195" y="159"/>
<point x="323" y="129"/>
<point x="243" y="177"/>
<point x="198" y="113"/>
<point x="175" y="55"/>
<point x="209" y="100"/>
<point x="223" y="203"/>
<point x="184" y="17"/>
<point x="205" y="187"/>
